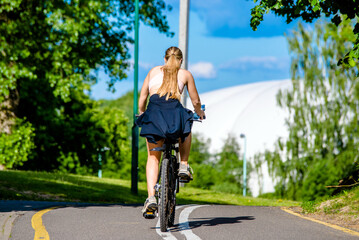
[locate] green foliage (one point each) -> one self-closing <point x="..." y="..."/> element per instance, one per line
<point x="323" y="110"/>
<point x="125" y="105"/>
<point x="61" y="42"/>
<point x="16" y="147"/>
<point x="72" y="137"/>
<point x="230" y="166"/>
<point x="205" y="174"/>
<point x="309" y="206"/>
<point x="199" y="150"/>
<point x="221" y="172"/>
<point x="308" y="10"/>
<point x="50" y="52"/>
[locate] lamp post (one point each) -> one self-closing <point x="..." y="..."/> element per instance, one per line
<point x="244" y="164"/>
<point x="134" y="162"/>
<point x="183" y="39"/>
<point x="100" y="160"/>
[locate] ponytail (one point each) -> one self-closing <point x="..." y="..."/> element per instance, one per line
<point x="169" y="85"/>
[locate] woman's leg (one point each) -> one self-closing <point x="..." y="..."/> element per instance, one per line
<point x="153" y="160"/>
<point x="185" y="148"/>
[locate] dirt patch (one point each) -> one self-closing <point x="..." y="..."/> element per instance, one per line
<point x="40" y="195"/>
<point x="341" y="218"/>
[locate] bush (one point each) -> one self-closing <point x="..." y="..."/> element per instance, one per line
<point x="16" y="147"/>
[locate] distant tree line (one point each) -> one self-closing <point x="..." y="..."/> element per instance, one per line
<point x="50" y="52"/>
<point x="322" y="106"/>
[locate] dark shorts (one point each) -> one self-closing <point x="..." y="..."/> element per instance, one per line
<point x="165" y="119"/>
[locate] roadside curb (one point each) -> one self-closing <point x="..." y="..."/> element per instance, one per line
<point x="346" y="230"/>
<point x="6" y="222"/>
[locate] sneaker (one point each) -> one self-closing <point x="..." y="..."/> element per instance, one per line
<point x="185" y="173"/>
<point x="150" y="207"/>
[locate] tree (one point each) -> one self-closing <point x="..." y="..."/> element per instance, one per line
<point x="49" y="54"/>
<point x="230" y="166"/>
<point x="70" y="39"/>
<point x="200" y="159"/>
<point x="308" y="10"/>
<point x="322" y="146"/>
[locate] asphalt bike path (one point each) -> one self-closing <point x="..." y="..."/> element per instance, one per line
<point x="33" y="220"/>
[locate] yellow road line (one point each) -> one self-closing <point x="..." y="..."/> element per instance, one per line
<point x="38" y="226"/>
<point x="324" y="223"/>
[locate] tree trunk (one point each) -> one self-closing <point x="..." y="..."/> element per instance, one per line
<point x="8" y="110"/>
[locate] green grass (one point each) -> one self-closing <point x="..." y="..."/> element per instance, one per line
<point x="26" y="185"/>
<point x="346" y="203"/>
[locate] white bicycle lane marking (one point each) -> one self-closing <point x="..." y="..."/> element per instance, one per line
<point x="183" y="225"/>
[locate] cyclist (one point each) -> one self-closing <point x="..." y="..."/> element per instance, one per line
<point x="165" y="117"/>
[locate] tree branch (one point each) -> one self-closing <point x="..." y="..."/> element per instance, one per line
<point x="340" y="186"/>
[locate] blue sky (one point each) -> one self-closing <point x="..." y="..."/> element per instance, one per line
<point x="223" y="50"/>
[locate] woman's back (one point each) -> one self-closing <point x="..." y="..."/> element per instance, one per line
<point x="156" y="80"/>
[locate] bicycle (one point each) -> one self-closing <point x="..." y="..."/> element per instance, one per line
<point x="167" y="185"/>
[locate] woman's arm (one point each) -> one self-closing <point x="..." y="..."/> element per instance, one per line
<point x="193" y="94"/>
<point x="144" y="94"/>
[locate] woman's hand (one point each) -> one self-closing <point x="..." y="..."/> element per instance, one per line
<point x="202" y="115"/>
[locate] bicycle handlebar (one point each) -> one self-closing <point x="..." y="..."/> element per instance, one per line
<point x="195" y="118"/>
<point x="195" y="115"/>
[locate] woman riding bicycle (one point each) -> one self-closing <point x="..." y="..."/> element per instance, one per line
<point x="165" y="117"/>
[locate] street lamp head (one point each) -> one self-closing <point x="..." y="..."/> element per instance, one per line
<point x="242" y="135"/>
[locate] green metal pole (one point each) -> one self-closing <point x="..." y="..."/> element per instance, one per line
<point x="244" y="164"/>
<point x="134" y="168"/>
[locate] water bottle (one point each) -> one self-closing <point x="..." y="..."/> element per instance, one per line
<point x="195" y="115"/>
<point x="203" y="107"/>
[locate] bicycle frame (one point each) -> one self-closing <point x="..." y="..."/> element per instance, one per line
<point x="171" y="152"/>
<point x="166" y="191"/>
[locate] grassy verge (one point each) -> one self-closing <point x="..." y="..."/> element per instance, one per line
<point x="347" y="202"/>
<point x="342" y="209"/>
<point x="25" y="185"/>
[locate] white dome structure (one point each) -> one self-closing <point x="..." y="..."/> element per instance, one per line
<point x="250" y="109"/>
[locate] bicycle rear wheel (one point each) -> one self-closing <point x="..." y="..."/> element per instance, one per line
<point x="164" y="195"/>
<point x="172" y="214"/>
<point x="173" y="182"/>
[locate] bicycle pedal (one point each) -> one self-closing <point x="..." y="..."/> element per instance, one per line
<point x="184" y="180"/>
<point x="149" y="215"/>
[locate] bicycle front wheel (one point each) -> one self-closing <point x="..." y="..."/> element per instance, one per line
<point x="164" y="195"/>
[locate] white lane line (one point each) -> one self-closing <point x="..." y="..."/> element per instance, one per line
<point x="165" y="235"/>
<point x="184" y="224"/>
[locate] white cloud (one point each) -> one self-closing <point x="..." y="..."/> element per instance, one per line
<point x="143" y="65"/>
<point x="146" y="66"/>
<point x="203" y="70"/>
<point x="250" y="62"/>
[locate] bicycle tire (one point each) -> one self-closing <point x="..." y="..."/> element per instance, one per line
<point x="172" y="191"/>
<point x="164" y="195"/>
<point x="171" y="219"/>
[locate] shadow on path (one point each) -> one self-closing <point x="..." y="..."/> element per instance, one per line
<point x="199" y="222"/>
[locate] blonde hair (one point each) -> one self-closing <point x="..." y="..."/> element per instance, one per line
<point x="169" y="85"/>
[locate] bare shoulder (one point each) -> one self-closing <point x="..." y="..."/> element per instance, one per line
<point x="185" y="75"/>
<point x="154" y="71"/>
<point x="184" y="72"/>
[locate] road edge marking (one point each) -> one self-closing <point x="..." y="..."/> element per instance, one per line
<point x="38" y="226"/>
<point x="184" y="224"/>
<point x="165" y="235"/>
<point x="346" y="230"/>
